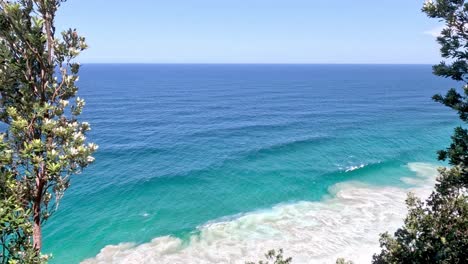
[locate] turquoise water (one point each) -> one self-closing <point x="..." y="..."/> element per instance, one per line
<point x="183" y="145"/>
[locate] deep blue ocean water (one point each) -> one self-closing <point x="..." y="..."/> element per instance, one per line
<point x="183" y="145"/>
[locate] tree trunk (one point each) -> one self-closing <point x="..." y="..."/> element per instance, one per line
<point x="37" y="229"/>
<point x="37" y="234"/>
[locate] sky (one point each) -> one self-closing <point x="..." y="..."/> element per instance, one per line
<point x="253" y="31"/>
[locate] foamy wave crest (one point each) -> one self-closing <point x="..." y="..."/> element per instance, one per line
<point x="345" y="225"/>
<point x="351" y="168"/>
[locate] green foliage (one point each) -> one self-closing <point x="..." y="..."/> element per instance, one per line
<point x="14" y="218"/>
<point x="44" y="143"/>
<point x="436" y="231"/>
<point x="275" y="257"/>
<point x="343" y="261"/>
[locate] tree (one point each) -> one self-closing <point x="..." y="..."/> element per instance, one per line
<point x="436" y="231"/>
<point x="44" y="143"/>
<point x="276" y="257"/>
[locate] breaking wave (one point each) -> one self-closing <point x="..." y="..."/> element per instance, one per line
<point x="347" y="224"/>
<point x="356" y="167"/>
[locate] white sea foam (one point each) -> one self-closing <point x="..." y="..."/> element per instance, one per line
<point x="345" y="225"/>
<point x="351" y="168"/>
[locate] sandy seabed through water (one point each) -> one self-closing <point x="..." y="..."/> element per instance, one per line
<point x="347" y="224"/>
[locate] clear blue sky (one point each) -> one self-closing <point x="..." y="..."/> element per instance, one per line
<point x="253" y="31"/>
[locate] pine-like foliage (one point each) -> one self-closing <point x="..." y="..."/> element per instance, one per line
<point x="436" y="231"/>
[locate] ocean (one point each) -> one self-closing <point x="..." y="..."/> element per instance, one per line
<point x="219" y="163"/>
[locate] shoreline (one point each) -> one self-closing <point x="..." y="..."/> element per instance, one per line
<point x="346" y="224"/>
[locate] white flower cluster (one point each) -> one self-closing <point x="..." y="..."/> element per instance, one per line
<point x="428" y="3"/>
<point x="59" y="130"/>
<point x="63" y="103"/>
<point x="93" y="147"/>
<point x="73" y="151"/>
<point x="80" y="102"/>
<point x="78" y="136"/>
<point x="73" y="51"/>
<point x="73" y="125"/>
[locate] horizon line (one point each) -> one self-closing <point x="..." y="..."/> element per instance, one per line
<point x="251" y="63"/>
